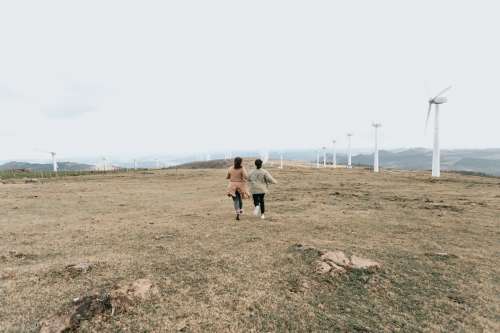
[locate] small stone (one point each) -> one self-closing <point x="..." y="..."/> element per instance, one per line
<point x="322" y="267"/>
<point x="80" y="268"/>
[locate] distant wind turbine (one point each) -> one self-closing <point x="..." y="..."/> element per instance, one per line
<point x="264" y="156"/>
<point x="54" y="161"/>
<point x="104" y="163"/>
<point x="324" y="157"/>
<point x="334" y="153"/>
<point x="375" y="153"/>
<point x="436" y="154"/>
<point x="281" y="160"/>
<point x="317" y="159"/>
<point x="349" y="152"/>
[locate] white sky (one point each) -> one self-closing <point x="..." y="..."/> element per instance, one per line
<point x="128" y="77"/>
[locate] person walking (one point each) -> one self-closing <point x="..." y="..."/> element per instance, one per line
<point x="259" y="180"/>
<point x="237" y="188"/>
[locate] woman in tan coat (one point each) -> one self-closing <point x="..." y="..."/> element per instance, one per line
<point x="237" y="188"/>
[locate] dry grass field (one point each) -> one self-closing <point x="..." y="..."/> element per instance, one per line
<point x="438" y="243"/>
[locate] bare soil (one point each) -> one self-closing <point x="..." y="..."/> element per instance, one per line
<point x="437" y="241"/>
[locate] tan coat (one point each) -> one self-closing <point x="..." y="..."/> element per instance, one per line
<point x="237" y="182"/>
<point x="259" y="180"/>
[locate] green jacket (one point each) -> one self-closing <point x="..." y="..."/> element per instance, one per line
<point x="259" y="179"/>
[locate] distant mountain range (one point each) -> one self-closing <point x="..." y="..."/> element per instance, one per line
<point x="481" y="161"/>
<point x="485" y="161"/>
<point x="62" y="166"/>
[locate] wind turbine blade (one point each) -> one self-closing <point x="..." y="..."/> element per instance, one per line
<point x="442" y="92"/>
<point x="428" y="116"/>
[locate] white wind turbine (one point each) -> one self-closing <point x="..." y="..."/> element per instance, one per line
<point x="105" y="163"/>
<point x="324" y="157"/>
<point x="349" y="152"/>
<point x="436" y="154"/>
<point x="334" y="153"/>
<point x="375" y="152"/>
<point x="54" y="161"/>
<point x="281" y="160"/>
<point x="317" y="159"/>
<point x="264" y="156"/>
<point x="55" y="167"/>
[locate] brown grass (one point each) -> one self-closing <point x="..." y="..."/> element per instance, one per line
<point x="177" y="228"/>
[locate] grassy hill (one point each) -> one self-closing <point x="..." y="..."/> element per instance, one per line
<point x="436" y="241"/>
<point x="62" y="166"/>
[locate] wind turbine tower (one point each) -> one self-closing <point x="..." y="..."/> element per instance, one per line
<point x="334" y="153"/>
<point x="54" y="161"/>
<point x="135" y="164"/>
<point x="436" y="154"/>
<point x="375" y="153"/>
<point x="317" y="159"/>
<point x="105" y="163"/>
<point x="349" y="152"/>
<point x="281" y="160"/>
<point x="324" y="157"/>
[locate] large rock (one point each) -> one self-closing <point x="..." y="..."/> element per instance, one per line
<point x="337" y="257"/>
<point x="328" y="267"/>
<point x="337" y="262"/>
<point x="337" y="270"/>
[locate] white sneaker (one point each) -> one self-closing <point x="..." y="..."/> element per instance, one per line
<point x="262" y="217"/>
<point x="256" y="211"/>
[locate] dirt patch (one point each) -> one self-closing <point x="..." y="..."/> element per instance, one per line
<point x="119" y="299"/>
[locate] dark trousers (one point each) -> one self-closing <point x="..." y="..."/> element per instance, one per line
<point x="258" y="200"/>
<point x="238" y="203"/>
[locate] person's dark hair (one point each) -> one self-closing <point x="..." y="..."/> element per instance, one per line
<point x="258" y="163"/>
<point x="237" y="162"/>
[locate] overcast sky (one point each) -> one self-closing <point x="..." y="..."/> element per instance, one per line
<point x="144" y="77"/>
